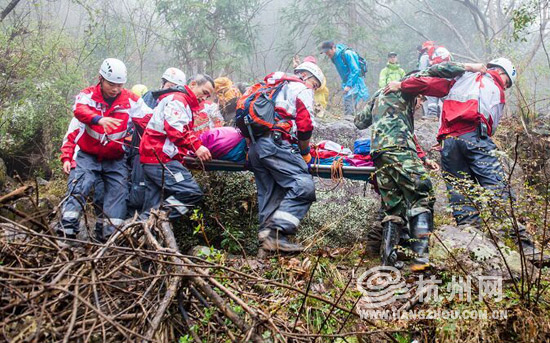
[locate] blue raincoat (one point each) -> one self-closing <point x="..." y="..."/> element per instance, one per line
<point x="350" y="73"/>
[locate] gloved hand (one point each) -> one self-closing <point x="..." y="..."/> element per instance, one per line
<point x="307" y="158"/>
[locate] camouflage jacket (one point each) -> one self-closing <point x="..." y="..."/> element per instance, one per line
<point x="448" y="70"/>
<point x="391" y="115"/>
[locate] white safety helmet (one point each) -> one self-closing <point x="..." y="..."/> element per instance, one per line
<point x="313" y="69"/>
<point x="176" y="76"/>
<point x="507" y="66"/>
<point x="442" y="53"/>
<point x="113" y="70"/>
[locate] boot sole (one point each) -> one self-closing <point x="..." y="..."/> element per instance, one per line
<point x="417" y="268"/>
<point x="276" y="248"/>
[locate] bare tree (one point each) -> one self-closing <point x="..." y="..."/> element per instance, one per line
<point x="492" y="23"/>
<point x="8" y="9"/>
<point x="142" y="19"/>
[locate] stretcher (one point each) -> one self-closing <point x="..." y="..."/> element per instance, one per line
<point x="319" y="170"/>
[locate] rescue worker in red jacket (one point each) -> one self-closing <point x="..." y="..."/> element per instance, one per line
<point x="69" y="151"/>
<point x="105" y="112"/>
<point x="168" y="138"/>
<point x="172" y="77"/>
<point x="472" y="110"/>
<point x="285" y="187"/>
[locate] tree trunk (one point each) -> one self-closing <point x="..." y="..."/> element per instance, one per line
<point x="8" y="9"/>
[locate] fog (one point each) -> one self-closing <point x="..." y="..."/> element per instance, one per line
<point x="247" y="39"/>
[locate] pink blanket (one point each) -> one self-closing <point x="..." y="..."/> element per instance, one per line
<point x="221" y="140"/>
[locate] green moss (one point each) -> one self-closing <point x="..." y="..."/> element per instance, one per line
<point x="229" y="214"/>
<point x="341" y="216"/>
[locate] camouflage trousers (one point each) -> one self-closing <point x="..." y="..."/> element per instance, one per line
<point x="404" y="184"/>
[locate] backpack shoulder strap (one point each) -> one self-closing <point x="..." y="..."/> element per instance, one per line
<point x="343" y="56"/>
<point x="180" y="89"/>
<point x="277" y="89"/>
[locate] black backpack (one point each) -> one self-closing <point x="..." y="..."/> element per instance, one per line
<point x="363" y="65"/>
<point x="151" y="97"/>
<point x="256" y="114"/>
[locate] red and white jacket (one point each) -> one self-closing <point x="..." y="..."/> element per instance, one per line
<point x="438" y="54"/>
<point x="470" y="99"/>
<point x="294" y="103"/>
<point x="208" y="117"/>
<point x="69" y="149"/>
<point x="170" y="133"/>
<point x="90" y="107"/>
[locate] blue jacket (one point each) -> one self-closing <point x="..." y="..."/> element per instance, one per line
<point x="150" y="99"/>
<point x="350" y="72"/>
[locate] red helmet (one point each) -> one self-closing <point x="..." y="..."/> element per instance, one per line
<point x="428" y="44"/>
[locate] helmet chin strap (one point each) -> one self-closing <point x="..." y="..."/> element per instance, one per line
<point x="502" y="72"/>
<point x="306" y="78"/>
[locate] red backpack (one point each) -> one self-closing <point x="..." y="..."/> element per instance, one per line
<point x="256" y="115"/>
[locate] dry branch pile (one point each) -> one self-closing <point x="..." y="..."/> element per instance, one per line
<point x="128" y="289"/>
<point x="139" y="287"/>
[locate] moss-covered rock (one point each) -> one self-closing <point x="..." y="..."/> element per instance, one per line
<point x="340" y="216"/>
<point x="229" y="211"/>
<point x="475" y="251"/>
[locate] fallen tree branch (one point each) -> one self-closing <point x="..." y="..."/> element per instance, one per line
<point x="16" y="194"/>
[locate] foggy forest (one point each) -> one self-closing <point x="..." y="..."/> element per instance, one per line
<point x="438" y="232"/>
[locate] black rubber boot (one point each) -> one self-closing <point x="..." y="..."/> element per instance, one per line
<point x="374" y="235"/>
<point x="404" y="237"/>
<point x="99" y="235"/>
<point x="390" y="241"/>
<point x="421" y="228"/>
